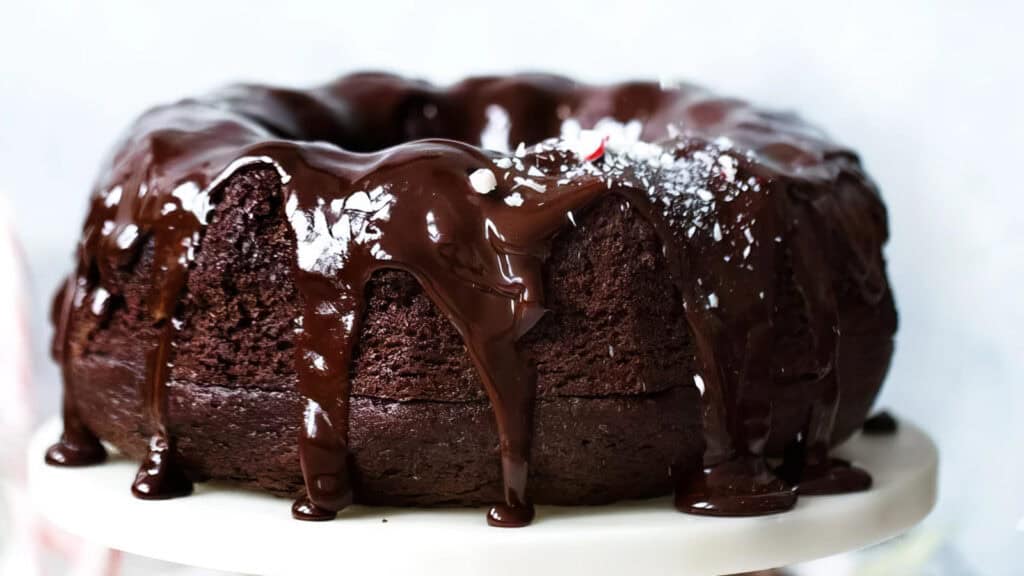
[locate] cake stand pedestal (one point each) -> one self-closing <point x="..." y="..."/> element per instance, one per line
<point x="243" y="531"/>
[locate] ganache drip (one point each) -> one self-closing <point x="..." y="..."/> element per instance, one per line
<point x="379" y="172"/>
<point x="881" y="424"/>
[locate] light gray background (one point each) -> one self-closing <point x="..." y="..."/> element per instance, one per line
<point x="929" y="92"/>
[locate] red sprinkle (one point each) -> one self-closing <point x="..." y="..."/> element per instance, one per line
<point x="598" y="152"/>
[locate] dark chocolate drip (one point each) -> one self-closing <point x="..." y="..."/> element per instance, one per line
<point x="881" y="424"/>
<point x="731" y="191"/>
<point x="729" y="307"/>
<point x="156" y="194"/>
<point x="413" y="208"/>
<point x="78" y="445"/>
<point x="159" y="477"/>
<point x="814" y="472"/>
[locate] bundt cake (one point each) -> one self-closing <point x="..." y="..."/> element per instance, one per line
<point x="509" y="291"/>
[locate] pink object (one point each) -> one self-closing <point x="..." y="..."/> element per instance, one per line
<point x="30" y="540"/>
<point x="15" y="396"/>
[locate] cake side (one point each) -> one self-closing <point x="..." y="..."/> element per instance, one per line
<point x="419" y="411"/>
<point x="421" y="430"/>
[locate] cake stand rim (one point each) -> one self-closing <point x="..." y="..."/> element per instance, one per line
<point x="95" y="503"/>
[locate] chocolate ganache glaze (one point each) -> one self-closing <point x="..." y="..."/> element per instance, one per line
<point x="380" y="172"/>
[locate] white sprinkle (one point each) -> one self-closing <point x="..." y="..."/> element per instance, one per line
<point x="521" y="150"/>
<point x="728" y="164"/>
<point x="571" y="218"/>
<point x="113" y="197"/>
<point x="748" y="235"/>
<point x="483" y="180"/>
<point x="527" y="183"/>
<point x="778" y="238"/>
<point x="535" y="172"/>
<point x="503" y="163"/>
<point x="746" y="252"/>
<point x="712" y="300"/>
<point x="611" y="351"/>
<point x="317" y="360"/>
<point x="432" y="231"/>
<point x="310" y="416"/>
<point x="717" y="232"/>
<point x="514" y="199"/>
<point x="699" y="383"/>
<point x="358" y="201"/>
<point x="127" y="236"/>
<point x="705" y="194"/>
<point x="723" y="142"/>
<point x="99" y="298"/>
<point x="761" y="294"/>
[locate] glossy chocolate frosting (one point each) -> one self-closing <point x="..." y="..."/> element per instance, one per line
<point x="380" y="172"/>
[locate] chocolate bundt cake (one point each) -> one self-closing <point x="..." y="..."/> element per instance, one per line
<point x="513" y="290"/>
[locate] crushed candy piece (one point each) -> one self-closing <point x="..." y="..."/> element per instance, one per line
<point x="591" y="145"/>
<point x="483" y="181"/>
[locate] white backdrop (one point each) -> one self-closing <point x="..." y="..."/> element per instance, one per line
<point x="930" y="93"/>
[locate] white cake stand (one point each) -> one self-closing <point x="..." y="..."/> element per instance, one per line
<point x="243" y="531"/>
